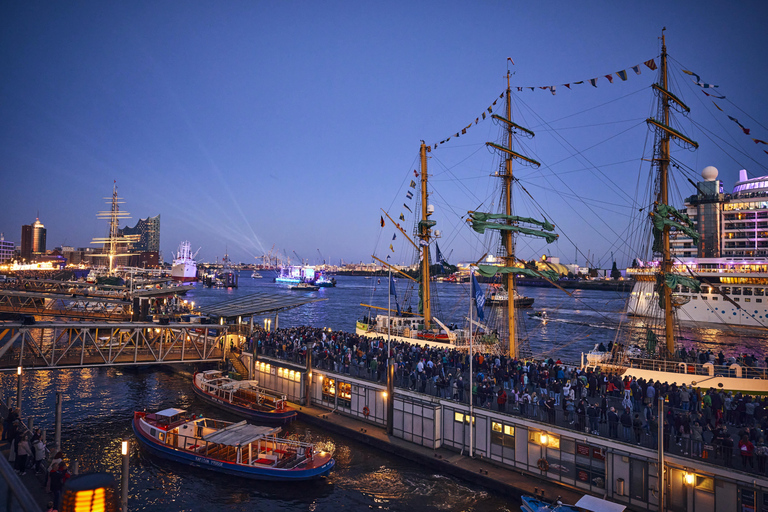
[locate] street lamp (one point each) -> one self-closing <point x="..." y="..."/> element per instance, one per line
<point x="18" y="391"/>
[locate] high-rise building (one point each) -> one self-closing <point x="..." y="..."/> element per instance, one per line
<point x="730" y="225"/>
<point x="149" y="234"/>
<point x="33" y="240"/>
<point x="6" y="249"/>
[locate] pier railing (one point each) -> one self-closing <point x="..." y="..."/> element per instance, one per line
<point x="733" y="369"/>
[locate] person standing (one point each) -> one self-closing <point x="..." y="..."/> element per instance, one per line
<point x="613" y="423"/>
<point x="58" y="479"/>
<point x="501" y="399"/>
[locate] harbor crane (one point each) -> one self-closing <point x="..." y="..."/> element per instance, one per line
<point x="300" y="258"/>
<point x="321" y="256"/>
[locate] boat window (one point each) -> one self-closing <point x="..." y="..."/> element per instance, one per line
<point x="758" y="300"/>
<point x="329" y="389"/>
<point x="759" y="292"/>
<point x="726" y="290"/>
<point x="747" y="300"/>
<point x="685" y="289"/>
<point x="736" y="299"/>
<point x="694" y="297"/>
<point x="704" y="297"/>
<point x="736" y="290"/>
<point x="747" y="291"/>
<point x="714" y="298"/>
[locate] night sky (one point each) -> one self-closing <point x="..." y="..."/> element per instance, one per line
<point x="253" y="124"/>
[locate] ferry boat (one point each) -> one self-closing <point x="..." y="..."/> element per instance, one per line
<point x="735" y="291"/>
<point x="184" y="267"/>
<point x="237" y="449"/>
<point x="242" y="397"/>
<point x="256" y="275"/>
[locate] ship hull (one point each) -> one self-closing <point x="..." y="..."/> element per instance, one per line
<point x="704" y="307"/>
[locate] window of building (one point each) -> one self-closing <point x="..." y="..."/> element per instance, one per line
<point x="736" y="290"/>
<point x="759" y="292"/>
<point x="503" y="435"/>
<point x="714" y="298"/>
<point x="726" y="289"/>
<point x="747" y="291"/>
<point x="747" y="299"/>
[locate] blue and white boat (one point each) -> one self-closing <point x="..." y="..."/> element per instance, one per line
<point x="237" y="449"/>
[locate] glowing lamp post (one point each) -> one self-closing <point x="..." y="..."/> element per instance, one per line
<point x="124" y="476"/>
<point x="18" y="391"/>
<point x="92" y="492"/>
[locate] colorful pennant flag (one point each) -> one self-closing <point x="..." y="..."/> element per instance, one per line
<point x="409" y="194"/>
<point x="698" y="78"/>
<point x="651" y="64"/>
<point x="394" y="236"/>
<point x="636" y="69"/>
<point x="382" y="222"/>
<point x="567" y="86"/>
<point x="758" y="141"/>
<point x="423" y="242"/>
<point x="412" y="184"/>
<point x="552" y="90"/>
<point x="622" y="74"/>
<point x="610" y="78"/>
<point x="579" y="82"/>
<point x="402" y="217"/>
<point x="593" y="81"/>
<point x="745" y="130"/>
<point x="477" y="292"/>
<point x="713" y="95"/>
<point x="717" y="106"/>
<point x="391" y="248"/>
<point x="406" y="207"/>
<point x="510" y="60"/>
<point x="416" y="174"/>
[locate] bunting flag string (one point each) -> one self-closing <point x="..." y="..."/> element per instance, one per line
<point x="408" y="195"/>
<point x="406" y="207"/>
<point x="698" y="80"/>
<point x="402" y="217"/>
<point x="651" y="64"/>
<point x="413" y="184"/>
<point x="382" y="222"/>
<point x="758" y="141"/>
<point x="394" y="236"/>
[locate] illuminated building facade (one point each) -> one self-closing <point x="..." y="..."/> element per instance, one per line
<point x="6" y="249"/>
<point x="731" y="225"/>
<point x="149" y="234"/>
<point x="32" y="240"/>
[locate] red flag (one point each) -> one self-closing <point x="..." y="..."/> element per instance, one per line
<point x="609" y="77"/>
<point x="758" y="141"/>
<point x="567" y="85"/>
<point x="415" y="173"/>
<point x="510" y="60"/>
<point x="651" y="64"/>
<point x="382" y="222"/>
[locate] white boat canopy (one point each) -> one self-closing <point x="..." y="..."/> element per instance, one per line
<point x="593" y="504"/>
<point x="240" y="434"/>
<point x="170" y="412"/>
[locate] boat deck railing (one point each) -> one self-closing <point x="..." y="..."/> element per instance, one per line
<point x="732" y="369"/>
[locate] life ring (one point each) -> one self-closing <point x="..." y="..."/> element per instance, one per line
<point x="543" y="464"/>
<point x="308" y="452"/>
<point x="366" y="411"/>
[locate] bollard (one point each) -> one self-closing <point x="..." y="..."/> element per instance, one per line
<point x="31" y="423"/>
<point x="75" y="468"/>
<point x="125" y="475"/>
<point x="42" y="436"/>
<point x="57" y="434"/>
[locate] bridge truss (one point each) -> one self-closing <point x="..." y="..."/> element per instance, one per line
<point x="49" y="345"/>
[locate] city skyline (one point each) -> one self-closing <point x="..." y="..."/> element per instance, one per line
<point x="252" y="126"/>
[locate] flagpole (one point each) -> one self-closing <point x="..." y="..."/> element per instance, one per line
<point x="471" y="375"/>
<point x="390" y="395"/>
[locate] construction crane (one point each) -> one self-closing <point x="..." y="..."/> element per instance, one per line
<point x="321" y="256"/>
<point x="300" y="258"/>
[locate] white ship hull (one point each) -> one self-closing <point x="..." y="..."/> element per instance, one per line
<point x="707" y="306"/>
<point x="184" y="272"/>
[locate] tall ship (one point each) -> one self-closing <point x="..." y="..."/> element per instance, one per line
<point x="184" y="265"/>
<point x="670" y="288"/>
<point x="496" y="329"/>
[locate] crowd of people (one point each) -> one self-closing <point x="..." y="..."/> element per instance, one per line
<point x="28" y="452"/>
<point x="696" y="422"/>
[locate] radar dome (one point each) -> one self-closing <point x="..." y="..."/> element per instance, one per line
<point x="709" y="173"/>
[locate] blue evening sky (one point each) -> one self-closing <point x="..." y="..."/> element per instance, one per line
<point x="253" y="124"/>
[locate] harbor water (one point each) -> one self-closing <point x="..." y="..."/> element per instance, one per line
<point x="99" y="405"/>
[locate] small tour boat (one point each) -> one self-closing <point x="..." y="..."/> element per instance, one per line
<point x="238" y="449"/>
<point x="306" y="287"/>
<point x="242" y="397"/>
<point x="587" y="503"/>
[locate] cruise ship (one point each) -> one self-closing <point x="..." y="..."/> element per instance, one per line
<point x="184" y="266"/>
<point x="731" y="259"/>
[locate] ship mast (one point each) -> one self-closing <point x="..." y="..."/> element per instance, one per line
<point x="666" y="259"/>
<point x="509" y="258"/>
<point x="424" y="238"/>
